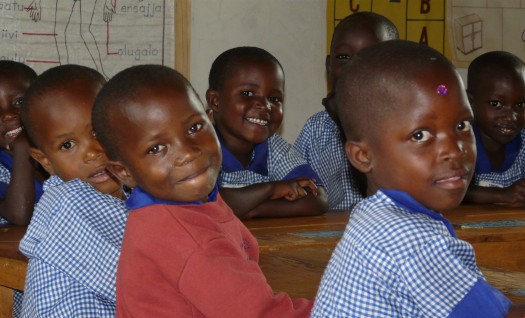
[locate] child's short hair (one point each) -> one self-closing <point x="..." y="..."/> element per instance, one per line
<point x="126" y="87"/>
<point x="7" y="66"/>
<point x="53" y="78"/>
<point x="372" y="81"/>
<point x="366" y="19"/>
<point x="224" y="62"/>
<point x="491" y="60"/>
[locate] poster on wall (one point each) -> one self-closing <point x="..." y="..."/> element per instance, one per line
<point x="107" y="35"/>
<point x="460" y="29"/>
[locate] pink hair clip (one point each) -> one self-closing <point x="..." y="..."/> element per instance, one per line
<point x="442" y="90"/>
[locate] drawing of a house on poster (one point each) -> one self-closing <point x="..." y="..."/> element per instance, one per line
<point x="107" y="35"/>
<point x="480" y="26"/>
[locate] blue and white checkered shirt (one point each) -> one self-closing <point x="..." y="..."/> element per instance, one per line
<point x="512" y="170"/>
<point x="6" y="166"/>
<point x="73" y="245"/>
<point x="273" y="160"/>
<point x="320" y="143"/>
<point x="399" y="259"/>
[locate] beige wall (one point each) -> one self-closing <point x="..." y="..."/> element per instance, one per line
<point x="292" y="30"/>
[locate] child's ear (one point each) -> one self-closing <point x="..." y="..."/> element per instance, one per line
<point x="358" y="154"/>
<point x="212" y="98"/>
<point x="121" y="173"/>
<point x="41" y="158"/>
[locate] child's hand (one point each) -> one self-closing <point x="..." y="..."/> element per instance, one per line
<point x="515" y="194"/>
<point x="292" y="190"/>
<point x="20" y="144"/>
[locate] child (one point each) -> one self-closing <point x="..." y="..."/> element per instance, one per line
<point x="73" y="241"/>
<point x="261" y="174"/>
<point x="184" y="253"/>
<point x="407" y="122"/>
<point x="496" y="91"/>
<point x="20" y="180"/>
<point x="321" y="142"/>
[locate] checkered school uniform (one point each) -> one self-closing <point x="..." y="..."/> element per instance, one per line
<point x="513" y="168"/>
<point x="6" y="165"/>
<point x="320" y="143"/>
<point x="73" y="245"/>
<point x="272" y="160"/>
<point x="399" y="259"/>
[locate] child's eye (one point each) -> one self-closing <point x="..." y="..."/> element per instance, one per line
<point x="195" y="128"/>
<point x="343" y="57"/>
<point x="495" y="103"/>
<point x="67" y="145"/>
<point x="274" y="100"/>
<point x="520" y="105"/>
<point x="247" y="93"/>
<point x="18" y="102"/>
<point x="465" y="125"/>
<point x="421" y="135"/>
<point x="156" y="149"/>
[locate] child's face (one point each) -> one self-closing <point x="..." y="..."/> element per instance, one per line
<point x="345" y="44"/>
<point x="426" y="146"/>
<point x="249" y="107"/>
<point x="12" y="89"/>
<point x="168" y="146"/>
<point x="68" y="147"/>
<point x="498" y="103"/>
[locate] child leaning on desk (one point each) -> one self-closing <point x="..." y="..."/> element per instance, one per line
<point x="261" y="175"/>
<point x="20" y="178"/>
<point x="184" y="253"/>
<point x="321" y="141"/>
<point x="73" y="240"/>
<point x="407" y="121"/>
<point x="496" y="91"/>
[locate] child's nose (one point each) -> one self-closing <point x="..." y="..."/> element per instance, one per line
<point x="452" y="148"/>
<point x="8" y="115"/>
<point x="185" y="152"/>
<point x="263" y="103"/>
<point x="94" y="151"/>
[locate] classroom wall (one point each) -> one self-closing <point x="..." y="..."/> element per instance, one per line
<point x="292" y="30"/>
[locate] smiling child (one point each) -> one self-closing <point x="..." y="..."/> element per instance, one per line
<point x="184" y="253"/>
<point x="261" y="175"/>
<point x="496" y="91"/>
<point x="407" y="122"/>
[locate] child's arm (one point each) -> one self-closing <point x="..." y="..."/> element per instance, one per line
<point x="17" y="206"/>
<point x="277" y="199"/>
<point x="513" y="195"/>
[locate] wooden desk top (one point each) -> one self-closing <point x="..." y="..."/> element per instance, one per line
<point x="303" y="246"/>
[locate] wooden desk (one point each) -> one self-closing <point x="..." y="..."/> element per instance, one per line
<point x="295" y="251"/>
<point x="13" y="267"/>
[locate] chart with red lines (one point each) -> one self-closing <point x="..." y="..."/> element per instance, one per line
<point x="107" y="35"/>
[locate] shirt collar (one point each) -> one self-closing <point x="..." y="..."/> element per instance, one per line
<point x="140" y="198"/>
<point x="404" y="200"/>
<point x="258" y="164"/>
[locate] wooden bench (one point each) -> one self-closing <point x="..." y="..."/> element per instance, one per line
<point x="13" y="267"/>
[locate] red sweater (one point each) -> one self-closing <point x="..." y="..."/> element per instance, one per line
<point x="195" y="261"/>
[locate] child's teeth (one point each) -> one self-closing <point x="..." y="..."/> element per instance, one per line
<point x="13" y="132"/>
<point x="258" y="121"/>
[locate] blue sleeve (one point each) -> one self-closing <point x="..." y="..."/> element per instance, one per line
<point x="3" y="189"/>
<point x="481" y="301"/>
<point x="304" y="171"/>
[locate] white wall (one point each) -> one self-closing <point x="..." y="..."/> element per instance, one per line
<point x="294" y="31"/>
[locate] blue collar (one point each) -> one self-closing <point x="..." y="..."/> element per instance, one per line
<point x="258" y="164"/>
<point x="140" y="198"/>
<point x="404" y="200"/>
<point x="483" y="164"/>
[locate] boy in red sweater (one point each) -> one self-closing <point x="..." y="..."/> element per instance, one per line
<point x="184" y="253"/>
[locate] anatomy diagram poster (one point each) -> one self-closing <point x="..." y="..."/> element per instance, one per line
<point x="107" y="35"/>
